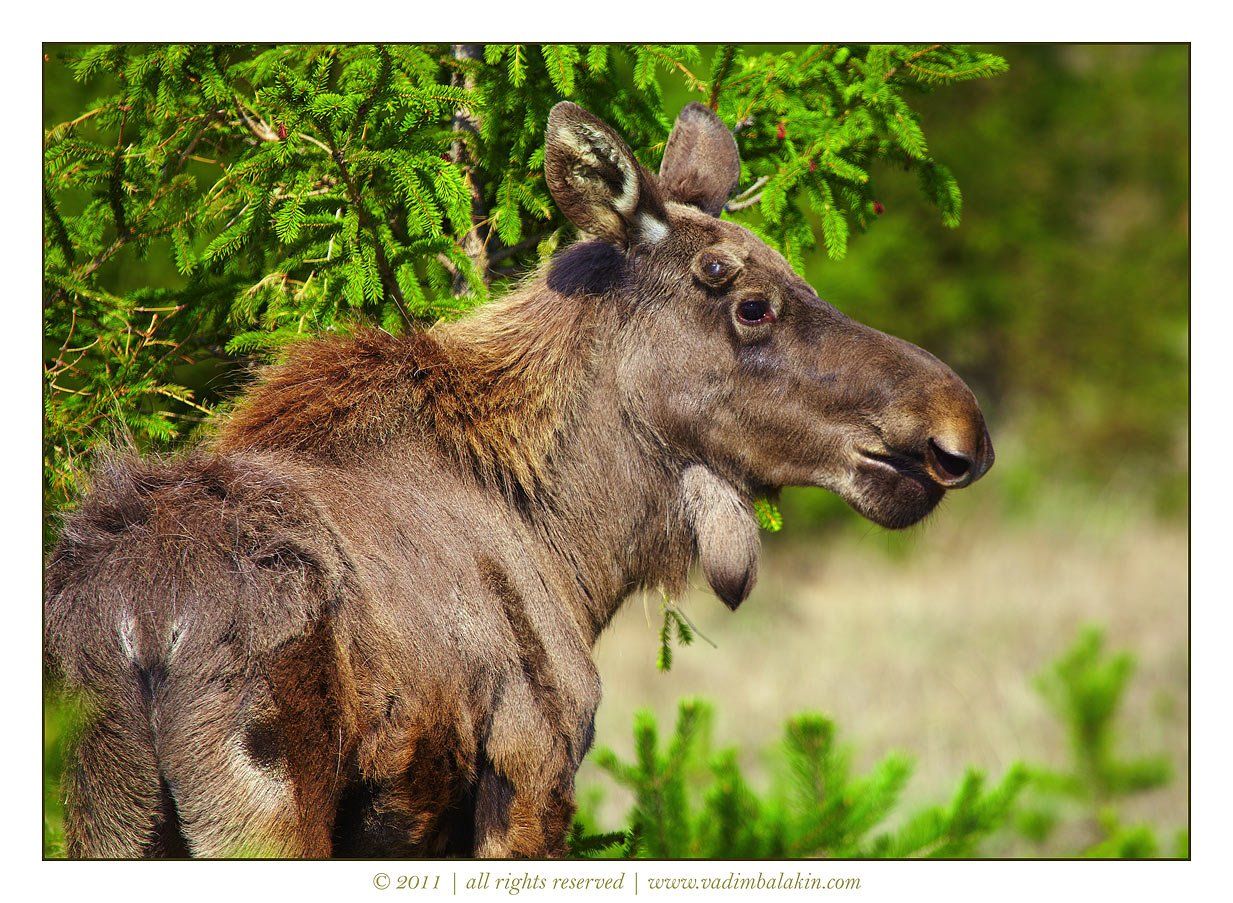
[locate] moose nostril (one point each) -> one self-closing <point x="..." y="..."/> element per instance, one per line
<point x="950" y="467"/>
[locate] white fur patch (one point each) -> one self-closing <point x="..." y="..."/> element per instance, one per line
<point x="128" y="639"/>
<point x="650" y="229"/>
<point x="178" y="628"/>
<point x="627" y="201"/>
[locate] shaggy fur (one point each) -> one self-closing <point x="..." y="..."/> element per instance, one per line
<point x="358" y="622"/>
<point x="491" y="392"/>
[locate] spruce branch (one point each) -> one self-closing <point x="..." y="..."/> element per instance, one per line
<point x="384" y="73"/>
<point x="388" y="280"/>
<point x="724" y="60"/>
<point x="115" y="185"/>
<point x="316" y="142"/>
<point x="186" y="154"/>
<point x="474" y="243"/>
<point x="63" y="129"/>
<point x="259" y="128"/>
<point x="59" y="231"/>
<point x="692" y="81"/>
<point x="335" y="198"/>
<point x="909" y="61"/>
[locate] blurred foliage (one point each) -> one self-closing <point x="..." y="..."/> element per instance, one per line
<point x="63" y="716"/>
<point x="1085" y="687"/>
<point x="205" y="204"/>
<point x="1064" y="299"/>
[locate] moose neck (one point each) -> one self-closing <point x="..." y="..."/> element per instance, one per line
<point x="601" y="493"/>
<point x="524" y="396"/>
<point x="612" y="511"/>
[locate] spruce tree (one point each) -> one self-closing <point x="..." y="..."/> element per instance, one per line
<point x="693" y="802"/>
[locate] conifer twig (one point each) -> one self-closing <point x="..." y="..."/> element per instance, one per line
<point x="65" y="127"/>
<point x="187" y="153"/>
<point x="258" y="126"/>
<point x="908" y="61"/>
<point x="735" y="206"/>
<point x="311" y="140"/>
<point x="727" y="56"/>
<point x="695" y="83"/>
<point x="748" y="197"/>
<point x="115" y="185"/>
<point x="680" y="613"/>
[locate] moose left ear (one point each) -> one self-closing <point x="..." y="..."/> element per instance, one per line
<point x="702" y="164"/>
<point x="596" y="181"/>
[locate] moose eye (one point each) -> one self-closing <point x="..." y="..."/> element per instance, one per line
<point x="754" y="311"/>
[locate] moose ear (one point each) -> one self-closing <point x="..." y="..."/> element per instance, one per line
<point x="701" y="162"/>
<point x="596" y="181"/>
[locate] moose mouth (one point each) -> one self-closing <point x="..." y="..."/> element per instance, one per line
<point x="893" y="490"/>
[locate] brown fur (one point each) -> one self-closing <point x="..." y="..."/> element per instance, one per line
<point x="359" y="621"/>
<point x="490" y="392"/>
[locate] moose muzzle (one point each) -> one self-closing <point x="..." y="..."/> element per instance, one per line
<point x="928" y="433"/>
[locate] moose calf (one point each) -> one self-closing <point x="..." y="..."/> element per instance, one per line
<point x="358" y="620"/>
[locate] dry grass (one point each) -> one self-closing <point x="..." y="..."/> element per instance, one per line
<point x="930" y="648"/>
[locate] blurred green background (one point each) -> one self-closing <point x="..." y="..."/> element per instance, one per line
<point x="1063" y="296"/>
<point x="1062" y="299"/>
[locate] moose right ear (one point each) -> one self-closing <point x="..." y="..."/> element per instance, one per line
<point x="596" y="181"/>
<point x="702" y="163"/>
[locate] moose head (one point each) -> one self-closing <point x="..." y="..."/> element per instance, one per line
<point x="733" y="359"/>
